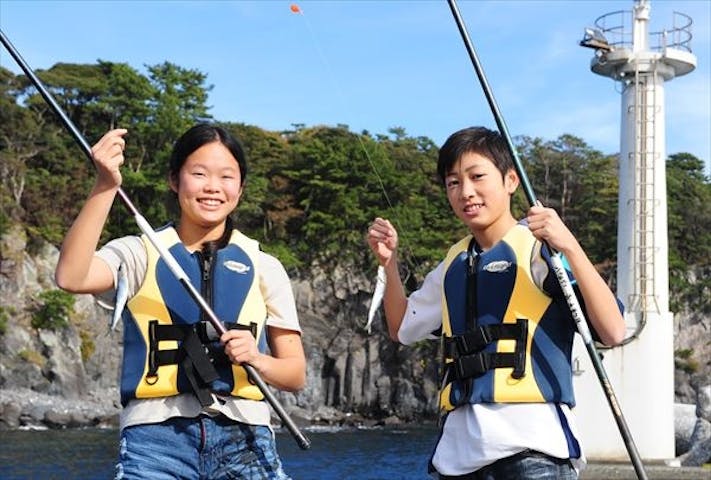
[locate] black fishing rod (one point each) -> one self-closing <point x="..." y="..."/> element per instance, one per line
<point x="556" y="260"/>
<point x="165" y="254"/>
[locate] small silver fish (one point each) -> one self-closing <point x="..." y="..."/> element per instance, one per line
<point x="121" y="296"/>
<point x="377" y="297"/>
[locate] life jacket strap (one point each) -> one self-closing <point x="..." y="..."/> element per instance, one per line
<point x="468" y="359"/>
<point x="476" y="365"/>
<point x="198" y="353"/>
<point x="204" y="330"/>
<point x="198" y="368"/>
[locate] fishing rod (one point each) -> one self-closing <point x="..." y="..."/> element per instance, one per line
<point x="556" y="260"/>
<point x="165" y="254"/>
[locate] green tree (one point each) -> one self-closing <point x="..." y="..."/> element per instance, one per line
<point x="310" y="191"/>
<point x="266" y="206"/>
<point x="155" y="108"/>
<point x="689" y="223"/>
<point x="326" y="179"/>
<point x="19" y="133"/>
<point x="581" y="184"/>
<point x="180" y="100"/>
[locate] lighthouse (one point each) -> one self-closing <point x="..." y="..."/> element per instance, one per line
<point x="641" y="370"/>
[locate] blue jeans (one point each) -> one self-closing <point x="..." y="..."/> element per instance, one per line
<point x="526" y="465"/>
<point x="198" y="448"/>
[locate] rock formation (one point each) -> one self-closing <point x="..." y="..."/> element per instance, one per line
<point x="68" y="377"/>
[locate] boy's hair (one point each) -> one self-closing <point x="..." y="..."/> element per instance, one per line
<point x="202" y="134"/>
<point x="481" y="140"/>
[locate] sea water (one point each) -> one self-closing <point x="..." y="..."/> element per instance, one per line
<point x="339" y="454"/>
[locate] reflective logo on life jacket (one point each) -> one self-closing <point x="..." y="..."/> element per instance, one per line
<point x="497" y="266"/>
<point x="236" y="266"/>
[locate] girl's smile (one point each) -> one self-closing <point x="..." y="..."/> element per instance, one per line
<point x="209" y="186"/>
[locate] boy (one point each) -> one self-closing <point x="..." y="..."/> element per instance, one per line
<point x="506" y="329"/>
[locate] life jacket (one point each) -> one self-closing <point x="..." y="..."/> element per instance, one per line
<point x="169" y="347"/>
<point x="504" y="339"/>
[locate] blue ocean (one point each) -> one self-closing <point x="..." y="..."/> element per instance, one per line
<point x="391" y="453"/>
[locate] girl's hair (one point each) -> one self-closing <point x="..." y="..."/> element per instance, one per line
<point x="481" y="140"/>
<point x="202" y="134"/>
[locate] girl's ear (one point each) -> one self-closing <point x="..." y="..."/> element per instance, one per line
<point x="173" y="182"/>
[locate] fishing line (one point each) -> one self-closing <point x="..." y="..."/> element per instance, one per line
<point x="409" y="256"/>
<point x="327" y="65"/>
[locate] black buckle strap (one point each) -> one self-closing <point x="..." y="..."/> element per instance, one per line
<point x="478" y="364"/>
<point x="475" y="341"/>
<point x="467" y="364"/>
<point x="196" y="354"/>
<point x="204" y="330"/>
<point x="470" y="342"/>
<point x="198" y="368"/>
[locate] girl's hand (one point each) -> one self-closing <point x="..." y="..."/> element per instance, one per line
<point x="240" y="346"/>
<point x="382" y="239"/>
<point x="108" y="157"/>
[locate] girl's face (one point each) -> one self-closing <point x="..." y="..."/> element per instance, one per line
<point x="209" y="186"/>
<point x="478" y="194"/>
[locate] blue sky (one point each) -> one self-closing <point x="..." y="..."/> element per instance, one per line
<point x="373" y="65"/>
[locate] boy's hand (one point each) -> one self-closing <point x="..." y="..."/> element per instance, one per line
<point x="382" y="239"/>
<point x="546" y="226"/>
<point x="108" y="157"/>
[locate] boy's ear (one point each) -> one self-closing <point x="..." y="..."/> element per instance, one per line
<point x="511" y="181"/>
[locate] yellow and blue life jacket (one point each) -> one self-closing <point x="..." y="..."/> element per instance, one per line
<point x="504" y="339"/>
<point x="169" y="347"/>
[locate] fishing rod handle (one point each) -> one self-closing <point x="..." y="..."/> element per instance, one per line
<point x="571" y="299"/>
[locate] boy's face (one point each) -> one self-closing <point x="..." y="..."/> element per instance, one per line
<point x="478" y="195"/>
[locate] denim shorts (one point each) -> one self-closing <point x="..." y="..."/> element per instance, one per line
<point x="526" y="465"/>
<point x="198" y="448"/>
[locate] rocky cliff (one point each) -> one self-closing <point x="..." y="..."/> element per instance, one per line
<point x="68" y="377"/>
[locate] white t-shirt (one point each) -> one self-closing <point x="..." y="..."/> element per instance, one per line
<point x="281" y="312"/>
<point x="476" y="435"/>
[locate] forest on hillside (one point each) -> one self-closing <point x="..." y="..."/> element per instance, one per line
<point x="310" y="190"/>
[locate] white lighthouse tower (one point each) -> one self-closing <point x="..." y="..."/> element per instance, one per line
<point x="641" y="371"/>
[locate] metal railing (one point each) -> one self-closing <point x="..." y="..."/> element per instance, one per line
<point x="618" y="29"/>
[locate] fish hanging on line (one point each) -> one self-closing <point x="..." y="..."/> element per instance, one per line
<point x="121" y="296"/>
<point x="377" y="297"/>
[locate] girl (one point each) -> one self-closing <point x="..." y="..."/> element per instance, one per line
<point x="189" y="409"/>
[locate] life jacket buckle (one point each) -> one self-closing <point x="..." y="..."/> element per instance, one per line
<point x="473" y="341"/>
<point x="472" y="365"/>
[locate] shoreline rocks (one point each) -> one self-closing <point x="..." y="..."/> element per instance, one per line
<point x="25" y="408"/>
